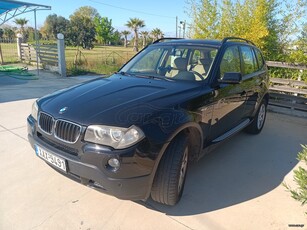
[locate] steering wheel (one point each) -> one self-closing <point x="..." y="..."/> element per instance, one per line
<point x="163" y="70"/>
<point x="198" y="74"/>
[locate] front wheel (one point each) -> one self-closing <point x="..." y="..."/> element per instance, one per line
<point x="256" y="126"/>
<point x="170" y="177"/>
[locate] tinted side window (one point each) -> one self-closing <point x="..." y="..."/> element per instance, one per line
<point x="249" y="62"/>
<point x="259" y="58"/>
<point x="230" y="61"/>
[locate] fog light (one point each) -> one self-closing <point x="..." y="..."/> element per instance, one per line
<point x="114" y="163"/>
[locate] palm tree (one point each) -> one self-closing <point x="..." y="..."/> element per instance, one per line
<point x="144" y="35"/>
<point x="125" y="33"/>
<point x="157" y="33"/>
<point x="21" y="22"/>
<point x="134" y="24"/>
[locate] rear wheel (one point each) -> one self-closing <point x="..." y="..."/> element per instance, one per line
<point x="256" y="126"/>
<point x="170" y="177"/>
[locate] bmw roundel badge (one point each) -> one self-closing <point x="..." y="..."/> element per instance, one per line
<point x="63" y="110"/>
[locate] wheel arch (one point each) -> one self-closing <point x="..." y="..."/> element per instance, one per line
<point x="195" y="136"/>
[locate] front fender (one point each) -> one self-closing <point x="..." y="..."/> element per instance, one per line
<point x="193" y="130"/>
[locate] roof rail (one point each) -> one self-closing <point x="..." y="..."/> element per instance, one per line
<point x="237" y="38"/>
<point x="162" y="39"/>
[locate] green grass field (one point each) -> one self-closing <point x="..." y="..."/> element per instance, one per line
<point x="9" y="52"/>
<point x="100" y="59"/>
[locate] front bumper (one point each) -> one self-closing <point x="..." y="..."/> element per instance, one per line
<point x="132" y="181"/>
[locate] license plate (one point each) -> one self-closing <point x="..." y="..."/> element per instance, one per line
<point x="52" y="159"/>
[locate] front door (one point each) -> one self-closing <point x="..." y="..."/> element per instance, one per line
<point x="229" y="99"/>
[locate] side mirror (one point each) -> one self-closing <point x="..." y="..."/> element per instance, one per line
<point x="231" y="78"/>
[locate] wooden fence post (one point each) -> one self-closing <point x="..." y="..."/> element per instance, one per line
<point x="61" y="55"/>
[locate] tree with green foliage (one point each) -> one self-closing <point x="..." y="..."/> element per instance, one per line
<point x="270" y="24"/>
<point x="289" y="22"/>
<point x="225" y="28"/>
<point x="29" y="34"/>
<point x="116" y="38"/>
<point x="87" y="12"/>
<point x="156" y="34"/>
<point x="21" y="22"/>
<point x="299" y="48"/>
<point x="144" y="36"/>
<point x="53" y="25"/>
<point x="125" y="33"/>
<point x="1" y="33"/>
<point x="8" y="33"/>
<point x="205" y="18"/>
<point x="135" y="24"/>
<point x="302" y="38"/>
<point x="81" y="31"/>
<point x="300" y="177"/>
<point x="104" y="29"/>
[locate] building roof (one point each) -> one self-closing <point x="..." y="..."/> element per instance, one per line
<point x="11" y="9"/>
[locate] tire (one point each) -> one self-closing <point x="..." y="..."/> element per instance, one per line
<point x="170" y="177"/>
<point x="256" y="126"/>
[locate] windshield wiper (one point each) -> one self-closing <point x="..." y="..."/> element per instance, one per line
<point x="124" y="73"/>
<point x="140" y="74"/>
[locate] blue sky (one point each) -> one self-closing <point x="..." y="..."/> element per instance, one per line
<point x="156" y="14"/>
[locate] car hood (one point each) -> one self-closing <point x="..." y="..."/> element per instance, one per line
<point x="112" y="100"/>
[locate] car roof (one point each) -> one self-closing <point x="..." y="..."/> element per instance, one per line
<point x="200" y="42"/>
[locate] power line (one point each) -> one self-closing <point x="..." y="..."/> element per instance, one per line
<point x="131" y="10"/>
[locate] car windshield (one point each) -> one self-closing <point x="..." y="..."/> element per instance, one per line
<point x="191" y="63"/>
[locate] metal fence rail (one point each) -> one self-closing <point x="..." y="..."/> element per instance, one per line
<point x="8" y="51"/>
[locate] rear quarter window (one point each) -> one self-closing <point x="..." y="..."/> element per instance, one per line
<point x="249" y="62"/>
<point x="260" y="59"/>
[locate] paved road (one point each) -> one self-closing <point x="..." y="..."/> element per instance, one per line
<point x="238" y="186"/>
<point x="12" y="89"/>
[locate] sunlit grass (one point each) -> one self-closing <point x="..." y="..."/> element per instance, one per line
<point x="99" y="60"/>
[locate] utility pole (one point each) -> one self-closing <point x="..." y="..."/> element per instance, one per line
<point x="183" y="23"/>
<point x="176" y="27"/>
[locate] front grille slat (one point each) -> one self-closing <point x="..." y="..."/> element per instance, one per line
<point x="67" y="131"/>
<point x="46" y="123"/>
<point x="63" y="130"/>
<point x="71" y="133"/>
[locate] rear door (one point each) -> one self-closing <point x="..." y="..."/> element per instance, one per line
<point x="253" y="72"/>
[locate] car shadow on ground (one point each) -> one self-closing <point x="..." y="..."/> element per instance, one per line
<point x="242" y="168"/>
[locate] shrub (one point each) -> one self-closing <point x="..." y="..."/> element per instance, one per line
<point x="300" y="177"/>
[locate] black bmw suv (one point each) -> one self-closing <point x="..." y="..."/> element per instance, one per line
<point x="133" y="134"/>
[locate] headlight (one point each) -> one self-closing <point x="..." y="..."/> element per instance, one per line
<point x="116" y="137"/>
<point x="34" y="110"/>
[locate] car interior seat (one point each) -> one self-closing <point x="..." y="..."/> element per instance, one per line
<point x="181" y="65"/>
